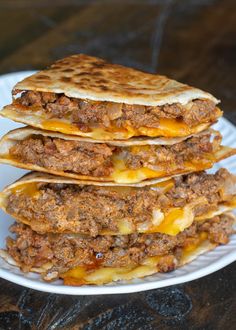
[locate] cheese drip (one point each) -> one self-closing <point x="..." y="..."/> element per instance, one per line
<point x="170" y="221"/>
<point x="81" y="275"/>
<point x="122" y="174"/>
<point x="167" y="127"/>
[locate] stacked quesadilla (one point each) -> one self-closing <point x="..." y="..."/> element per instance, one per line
<point x="119" y="189"/>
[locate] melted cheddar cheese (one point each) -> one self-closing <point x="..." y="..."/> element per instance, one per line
<point x="188" y="250"/>
<point x="167" y="128"/>
<point x="163" y="186"/>
<point x="174" y="221"/>
<point x="30" y="189"/>
<point x="95" y="133"/>
<point x="81" y="275"/>
<point x="122" y="174"/>
<point x="171" y="221"/>
<point x="36" y="117"/>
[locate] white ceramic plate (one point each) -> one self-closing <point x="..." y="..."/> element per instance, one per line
<point x="202" y="266"/>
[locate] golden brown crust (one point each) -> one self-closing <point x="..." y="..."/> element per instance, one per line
<point x="87" y="77"/>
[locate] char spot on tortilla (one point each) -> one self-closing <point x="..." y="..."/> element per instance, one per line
<point x="97" y="73"/>
<point x="68" y="70"/>
<point x="81" y="74"/>
<point x="65" y="79"/>
<point x="101" y="81"/>
<point x="64" y="62"/>
<point x="56" y="67"/>
<point x="98" y="65"/>
<point x="104" y="88"/>
<point x="43" y="76"/>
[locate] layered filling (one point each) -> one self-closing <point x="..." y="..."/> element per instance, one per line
<point x="119" y="164"/>
<point x="168" y="207"/>
<point x="100" y="119"/>
<point x="83" y="158"/>
<point x="80" y="260"/>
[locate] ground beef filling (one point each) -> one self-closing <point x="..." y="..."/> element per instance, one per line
<point x="168" y="157"/>
<point x="64" y="155"/>
<point x="90" y="209"/>
<point x="31" y="249"/>
<point x="94" y="159"/>
<point x="87" y="113"/>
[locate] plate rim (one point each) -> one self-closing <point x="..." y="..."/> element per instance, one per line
<point x="218" y="264"/>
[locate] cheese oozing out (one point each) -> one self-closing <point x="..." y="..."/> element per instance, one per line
<point x="167" y="221"/>
<point x="167" y="127"/>
<point x="122" y="174"/>
<point x="100" y="275"/>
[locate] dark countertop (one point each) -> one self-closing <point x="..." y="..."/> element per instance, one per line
<point x="193" y="41"/>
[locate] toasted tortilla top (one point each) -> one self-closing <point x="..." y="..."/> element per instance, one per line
<point x="86" y="77"/>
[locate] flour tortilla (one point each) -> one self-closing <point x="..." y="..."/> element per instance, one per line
<point x="49" y="178"/>
<point x="87" y="77"/>
<point x="19" y="134"/>
<point x="24" y="132"/>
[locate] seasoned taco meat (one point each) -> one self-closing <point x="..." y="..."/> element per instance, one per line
<point x="91" y="209"/>
<point x="64" y="155"/>
<point x="87" y="113"/>
<point x="193" y="149"/>
<point x="93" y="159"/>
<point x="65" y="251"/>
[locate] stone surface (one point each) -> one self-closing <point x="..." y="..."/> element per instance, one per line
<point x="190" y="40"/>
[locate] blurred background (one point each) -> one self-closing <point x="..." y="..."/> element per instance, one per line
<point x="193" y="41"/>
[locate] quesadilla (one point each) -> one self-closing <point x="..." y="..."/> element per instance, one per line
<point x="80" y="260"/>
<point x="58" y="205"/>
<point x="86" y="96"/>
<point x="115" y="161"/>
